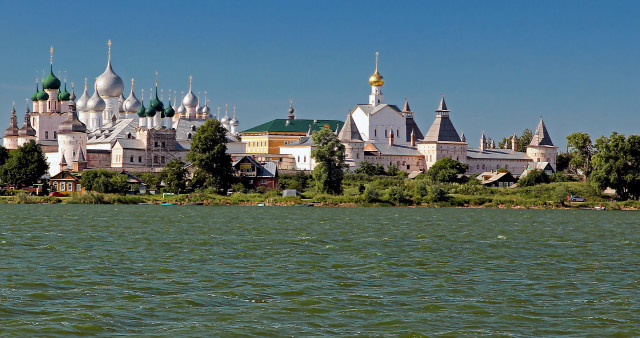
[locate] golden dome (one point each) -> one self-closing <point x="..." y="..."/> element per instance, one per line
<point x="376" y="79"/>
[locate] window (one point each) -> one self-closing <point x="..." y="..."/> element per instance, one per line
<point x="375" y="133"/>
<point x="193" y="128"/>
<point x="155" y="144"/>
<point x="140" y="159"/>
<point x="62" y="186"/>
<point x="155" y="159"/>
<point x="163" y="145"/>
<point x="55" y="135"/>
<point x="46" y="135"/>
<point x="162" y="159"/>
<point x="55" y="186"/>
<point x="263" y="181"/>
<point x="189" y="136"/>
<point x="386" y="133"/>
<point x="357" y="155"/>
<point x="78" y="187"/>
<point x="69" y="186"/>
<point x="131" y="159"/>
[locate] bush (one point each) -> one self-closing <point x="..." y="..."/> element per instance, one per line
<point x="435" y="194"/>
<point x="371" y="194"/>
<point x="396" y="195"/>
<point x="560" y="177"/>
<point x="534" y="177"/>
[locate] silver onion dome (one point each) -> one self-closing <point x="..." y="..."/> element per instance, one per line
<point x="234" y="122"/>
<point x="95" y="103"/>
<point x="120" y="102"/>
<point x="190" y="100"/>
<point x="206" y="110"/>
<point x="131" y="104"/>
<point x="81" y="104"/>
<point x="181" y="110"/>
<point x="109" y="83"/>
<point x="224" y="119"/>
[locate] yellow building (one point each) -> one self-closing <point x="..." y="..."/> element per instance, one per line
<point x="268" y="137"/>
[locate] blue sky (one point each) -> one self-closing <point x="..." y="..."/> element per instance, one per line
<point x="500" y="64"/>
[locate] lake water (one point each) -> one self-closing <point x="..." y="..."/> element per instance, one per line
<point x="278" y="271"/>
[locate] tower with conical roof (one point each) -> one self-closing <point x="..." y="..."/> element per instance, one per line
<point x="26" y="133"/>
<point x="72" y="135"/>
<point x="376" y="81"/>
<point x="353" y="143"/>
<point x="541" y="148"/>
<point x="442" y="139"/>
<point x="10" y="140"/>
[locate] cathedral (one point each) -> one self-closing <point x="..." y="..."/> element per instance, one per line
<point x="107" y="130"/>
<point x="380" y="133"/>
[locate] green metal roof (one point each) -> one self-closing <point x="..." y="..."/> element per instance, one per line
<point x="295" y="126"/>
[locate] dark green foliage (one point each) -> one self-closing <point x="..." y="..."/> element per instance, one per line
<point x="209" y="155"/>
<point x="174" y="176"/>
<point x="560" y="177"/>
<point x="298" y="181"/>
<point x="616" y="164"/>
<point x="150" y="179"/>
<point x="396" y="195"/>
<point x="446" y="170"/>
<point x="504" y="170"/>
<point x="580" y="150"/>
<point x="370" y="169"/>
<point x="430" y="193"/>
<point x="393" y="170"/>
<point x="534" y="177"/>
<point x="562" y="161"/>
<point x="4" y="155"/>
<point x="24" y="166"/>
<point x="329" y="155"/>
<point x="104" y="181"/>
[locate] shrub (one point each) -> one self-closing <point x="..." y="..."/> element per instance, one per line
<point x="371" y="194"/>
<point x="532" y="178"/>
<point x="435" y="194"/>
<point x="396" y="195"/>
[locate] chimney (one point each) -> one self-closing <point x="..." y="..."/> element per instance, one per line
<point x="413" y="139"/>
<point x="391" y="137"/>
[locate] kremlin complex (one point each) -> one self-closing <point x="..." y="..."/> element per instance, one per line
<point x="103" y="129"/>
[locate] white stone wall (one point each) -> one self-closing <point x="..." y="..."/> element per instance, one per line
<point x="436" y="151"/>
<point x="354" y="151"/>
<point x="543" y="154"/>
<point x="404" y="163"/>
<point x="10" y="142"/>
<point x="302" y="157"/>
<point x="94" y="120"/>
<point x="46" y="125"/>
<point x="53" y="159"/>
<point x="71" y="143"/>
<point x="375" y="127"/>
<point x="516" y="167"/>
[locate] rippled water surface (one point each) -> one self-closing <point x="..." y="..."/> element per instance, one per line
<point x="278" y="271"/>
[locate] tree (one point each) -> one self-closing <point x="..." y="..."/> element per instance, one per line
<point x="370" y="169"/>
<point x="25" y="165"/>
<point x="616" y="164"/>
<point x="523" y="141"/>
<point x="174" y="176"/>
<point x="209" y="155"/>
<point x="329" y="155"/>
<point x="534" y="177"/>
<point x="104" y="181"/>
<point x="580" y="149"/>
<point x="4" y="155"/>
<point x="150" y="179"/>
<point x="446" y="170"/>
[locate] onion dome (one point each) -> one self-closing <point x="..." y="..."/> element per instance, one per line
<point x="34" y="96"/>
<point x="109" y="84"/>
<point x="199" y="110"/>
<point x="131" y="104"/>
<point x="142" y="109"/>
<point x="190" y="100"/>
<point x="72" y="124"/>
<point x="95" y="103"/>
<point x="150" y="112"/>
<point x="156" y="104"/>
<point x="120" y="103"/>
<point x="376" y="79"/>
<point x="51" y="81"/>
<point x="169" y="112"/>
<point x="43" y="96"/>
<point x="26" y="129"/>
<point x="64" y="96"/>
<point x="181" y="110"/>
<point x="13" y="124"/>
<point x="206" y="110"/>
<point x="72" y="97"/>
<point x="81" y="104"/>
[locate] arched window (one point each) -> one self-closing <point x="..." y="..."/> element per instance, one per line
<point x="189" y="136"/>
<point x="140" y="159"/>
<point x="46" y="135"/>
<point x="55" y="135"/>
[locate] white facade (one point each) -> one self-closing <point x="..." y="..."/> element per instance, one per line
<point x="302" y="156"/>
<point x="376" y="124"/>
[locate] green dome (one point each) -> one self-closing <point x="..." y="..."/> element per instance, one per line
<point x="141" y="110"/>
<point x="51" y="81"/>
<point x="150" y="112"/>
<point x="34" y="97"/>
<point x="43" y="96"/>
<point x="169" y="112"/>
<point x="156" y="104"/>
<point x="64" y="96"/>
